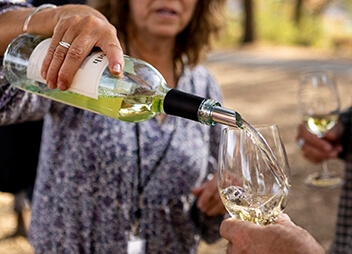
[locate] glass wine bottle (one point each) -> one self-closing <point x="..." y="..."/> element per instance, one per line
<point x="137" y="95"/>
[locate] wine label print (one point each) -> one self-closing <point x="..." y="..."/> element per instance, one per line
<point x="86" y="80"/>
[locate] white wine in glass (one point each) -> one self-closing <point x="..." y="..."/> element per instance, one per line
<point x="249" y="186"/>
<point x="319" y="107"/>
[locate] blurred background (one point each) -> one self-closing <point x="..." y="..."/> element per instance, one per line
<point x="257" y="61"/>
<point x="319" y="24"/>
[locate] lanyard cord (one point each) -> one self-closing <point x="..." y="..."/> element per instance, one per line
<point x="138" y="185"/>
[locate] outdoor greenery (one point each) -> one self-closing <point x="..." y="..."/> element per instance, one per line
<point x="275" y="23"/>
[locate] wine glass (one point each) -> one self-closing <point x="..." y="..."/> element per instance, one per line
<point x="249" y="187"/>
<point x="319" y="106"/>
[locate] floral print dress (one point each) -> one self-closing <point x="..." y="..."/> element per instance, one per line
<point x="94" y="172"/>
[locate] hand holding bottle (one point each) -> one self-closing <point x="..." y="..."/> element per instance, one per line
<point x="80" y="27"/>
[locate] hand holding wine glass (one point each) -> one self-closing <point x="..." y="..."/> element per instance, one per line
<point x="319" y="107"/>
<point x="249" y="184"/>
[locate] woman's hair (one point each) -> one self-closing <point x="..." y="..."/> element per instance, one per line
<point x="192" y="43"/>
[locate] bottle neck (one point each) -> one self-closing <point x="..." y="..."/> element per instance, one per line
<point x="206" y="111"/>
<point x="182" y="104"/>
<point x="211" y="112"/>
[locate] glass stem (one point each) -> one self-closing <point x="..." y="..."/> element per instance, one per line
<point x="324" y="170"/>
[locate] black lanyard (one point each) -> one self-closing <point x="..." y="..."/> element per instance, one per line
<point x="138" y="185"/>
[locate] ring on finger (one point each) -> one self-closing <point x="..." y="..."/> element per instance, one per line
<point x="300" y="142"/>
<point x="65" y="44"/>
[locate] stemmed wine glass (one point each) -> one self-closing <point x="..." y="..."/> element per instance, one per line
<point x="319" y="107"/>
<point x="250" y="188"/>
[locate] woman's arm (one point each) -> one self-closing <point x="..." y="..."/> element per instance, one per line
<point x="79" y="25"/>
<point x="11" y="24"/>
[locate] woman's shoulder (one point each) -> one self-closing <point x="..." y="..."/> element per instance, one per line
<point x="199" y="69"/>
<point x="203" y="81"/>
<point x="200" y="74"/>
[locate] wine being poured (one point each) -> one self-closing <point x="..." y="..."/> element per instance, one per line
<point x="252" y="187"/>
<point x="137" y="95"/>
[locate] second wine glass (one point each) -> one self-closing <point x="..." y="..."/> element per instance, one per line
<point x="319" y="107"/>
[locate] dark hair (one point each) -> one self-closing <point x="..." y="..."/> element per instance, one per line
<point x="192" y="43"/>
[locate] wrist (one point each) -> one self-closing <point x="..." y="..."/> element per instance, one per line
<point x="39" y="8"/>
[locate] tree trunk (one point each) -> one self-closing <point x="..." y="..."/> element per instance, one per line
<point x="298" y="12"/>
<point x="248" y="24"/>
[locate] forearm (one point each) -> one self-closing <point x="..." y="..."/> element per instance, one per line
<point x="11" y="24"/>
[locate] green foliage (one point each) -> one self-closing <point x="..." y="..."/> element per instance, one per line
<point x="232" y="32"/>
<point x="274" y="23"/>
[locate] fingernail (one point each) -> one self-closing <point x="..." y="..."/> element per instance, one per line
<point x="51" y="85"/>
<point x="44" y="75"/>
<point x="117" y="68"/>
<point x="62" y="86"/>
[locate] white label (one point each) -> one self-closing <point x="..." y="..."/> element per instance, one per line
<point x="86" y="80"/>
<point x="136" y="246"/>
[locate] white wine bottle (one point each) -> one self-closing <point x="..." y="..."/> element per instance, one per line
<point x="137" y="95"/>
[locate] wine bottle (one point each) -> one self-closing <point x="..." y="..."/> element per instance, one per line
<point x="138" y="94"/>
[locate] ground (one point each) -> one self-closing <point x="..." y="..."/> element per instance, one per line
<point x="260" y="82"/>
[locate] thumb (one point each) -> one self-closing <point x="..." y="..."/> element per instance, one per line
<point x="284" y="219"/>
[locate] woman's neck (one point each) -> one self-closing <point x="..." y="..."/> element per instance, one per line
<point x="159" y="54"/>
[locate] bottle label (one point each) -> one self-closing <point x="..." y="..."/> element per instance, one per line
<point x="136" y="246"/>
<point x="85" y="81"/>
